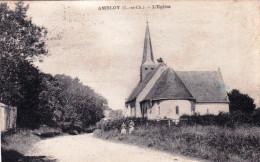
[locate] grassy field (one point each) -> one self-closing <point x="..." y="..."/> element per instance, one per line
<point x="15" y="144"/>
<point x="207" y="142"/>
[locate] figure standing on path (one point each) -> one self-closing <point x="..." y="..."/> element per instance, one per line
<point x="123" y="128"/>
<point x="131" y="125"/>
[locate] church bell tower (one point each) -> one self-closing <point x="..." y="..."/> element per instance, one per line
<point x="148" y="64"/>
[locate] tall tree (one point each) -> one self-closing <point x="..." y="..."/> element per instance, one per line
<point x="49" y="103"/>
<point x="66" y="102"/>
<point x="21" y="43"/>
<point x="240" y="102"/>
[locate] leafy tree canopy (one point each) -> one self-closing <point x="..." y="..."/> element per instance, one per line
<point x="66" y="102"/>
<point x="21" y="42"/>
<point x="241" y="102"/>
<point x="20" y="38"/>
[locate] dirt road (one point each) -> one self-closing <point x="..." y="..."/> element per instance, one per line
<point x="86" y="148"/>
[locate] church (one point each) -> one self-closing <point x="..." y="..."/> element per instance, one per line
<point x="163" y="92"/>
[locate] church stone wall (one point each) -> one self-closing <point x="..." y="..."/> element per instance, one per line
<point x="211" y="108"/>
<point x="147" y="89"/>
<point x="167" y="108"/>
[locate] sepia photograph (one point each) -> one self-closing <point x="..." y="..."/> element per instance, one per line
<point x="129" y="80"/>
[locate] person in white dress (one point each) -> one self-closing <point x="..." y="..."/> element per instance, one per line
<point x="131" y="125"/>
<point x="123" y="128"/>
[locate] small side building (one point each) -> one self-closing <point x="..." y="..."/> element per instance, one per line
<point x="8" y="115"/>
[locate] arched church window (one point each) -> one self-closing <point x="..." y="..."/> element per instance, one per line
<point x="151" y="68"/>
<point x="145" y="68"/>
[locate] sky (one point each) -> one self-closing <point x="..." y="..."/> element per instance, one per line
<point x="104" y="48"/>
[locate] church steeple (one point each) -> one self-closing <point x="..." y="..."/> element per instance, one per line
<point x="148" y="51"/>
<point x="148" y="64"/>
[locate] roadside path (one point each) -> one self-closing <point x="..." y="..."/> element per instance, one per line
<point x="86" y="148"/>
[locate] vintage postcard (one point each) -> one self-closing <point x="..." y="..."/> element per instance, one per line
<point x="128" y="80"/>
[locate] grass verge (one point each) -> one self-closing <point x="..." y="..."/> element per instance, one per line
<point x="207" y="142"/>
<point x="15" y="144"/>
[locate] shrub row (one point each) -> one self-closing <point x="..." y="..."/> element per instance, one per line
<point x="223" y="119"/>
<point x="113" y="124"/>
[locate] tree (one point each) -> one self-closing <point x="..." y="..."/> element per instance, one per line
<point x="49" y="105"/>
<point x="29" y="80"/>
<point x="21" y="43"/>
<point x="67" y="103"/>
<point x="20" y="38"/>
<point x="240" y="102"/>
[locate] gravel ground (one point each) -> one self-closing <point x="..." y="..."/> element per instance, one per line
<point x="86" y="148"/>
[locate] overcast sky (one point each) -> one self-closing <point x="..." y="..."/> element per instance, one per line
<point x="104" y="48"/>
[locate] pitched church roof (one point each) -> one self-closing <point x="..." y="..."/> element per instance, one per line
<point x="168" y="86"/>
<point x="201" y="86"/>
<point x="140" y="86"/>
<point x="205" y="86"/>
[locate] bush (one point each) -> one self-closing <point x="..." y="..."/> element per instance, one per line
<point x="223" y="119"/>
<point x="46" y="132"/>
<point x="240" y="102"/>
<point x="112" y="124"/>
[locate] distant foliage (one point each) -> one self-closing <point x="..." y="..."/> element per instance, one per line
<point x="241" y="102"/>
<point x="67" y="103"/>
<point x="115" y="114"/>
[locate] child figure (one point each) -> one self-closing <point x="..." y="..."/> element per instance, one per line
<point x="131" y="125"/>
<point x="123" y="128"/>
